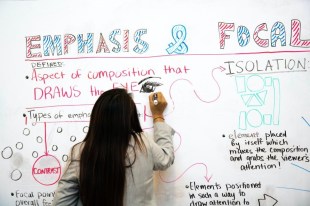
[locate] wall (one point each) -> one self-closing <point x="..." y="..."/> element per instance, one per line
<point x="235" y="75"/>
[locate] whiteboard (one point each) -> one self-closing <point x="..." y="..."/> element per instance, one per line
<point x="235" y="75"/>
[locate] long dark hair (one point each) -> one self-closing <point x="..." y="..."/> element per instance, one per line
<point x="113" y="122"/>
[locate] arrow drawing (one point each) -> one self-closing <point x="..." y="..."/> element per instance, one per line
<point x="267" y="201"/>
<point x="208" y="178"/>
<point x="45" y="141"/>
<point x="177" y="178"/>
<point x="175" y="150"/>
<point x="46" y="169"/>
<point x="205" y="101"/>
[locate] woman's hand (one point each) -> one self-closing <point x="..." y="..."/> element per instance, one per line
<point x="158" y="105"/>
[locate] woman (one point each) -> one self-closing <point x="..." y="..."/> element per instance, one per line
<point x="114" y="164"/>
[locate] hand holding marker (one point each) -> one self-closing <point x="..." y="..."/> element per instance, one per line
<point x="158" y="104"/>
<point x="155" y="101"/>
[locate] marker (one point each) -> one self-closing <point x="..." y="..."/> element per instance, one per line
<point x="155" y="101"/>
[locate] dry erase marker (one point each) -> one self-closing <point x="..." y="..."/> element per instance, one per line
<point x="155" y="101"/>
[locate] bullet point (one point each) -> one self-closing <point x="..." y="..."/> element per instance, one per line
<point x="12" y="194"/>
<point x="27" y="77"/>
<point x="223" y="135"/>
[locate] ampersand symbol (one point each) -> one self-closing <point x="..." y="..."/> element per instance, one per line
<point x="179" y="35"/>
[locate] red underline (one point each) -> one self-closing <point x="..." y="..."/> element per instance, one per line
<point x="66" y="105"/>
<point x="65" y="121"/>
<point x="169" y="55"/>
<point x="63" y="105"/>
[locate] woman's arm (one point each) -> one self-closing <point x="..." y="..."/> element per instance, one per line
<point x="67" y="192"/>
<point x="162" y="149"/>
